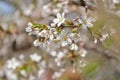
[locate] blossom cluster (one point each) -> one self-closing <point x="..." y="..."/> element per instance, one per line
<point x="62" y="39"/>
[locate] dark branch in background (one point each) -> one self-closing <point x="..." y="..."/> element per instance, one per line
<point x="84" y="4"/>
<point x="79" y="2"/>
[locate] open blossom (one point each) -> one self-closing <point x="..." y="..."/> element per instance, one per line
<point x="43" y="33"/>
<point x="73" y="47"/>
<point x="35" y="57"/>
<point x="36" y="42"/>
<point x="59" y="20"/>
<point x="59" y="57"/>
<point x="66" y="42"/>
<point x="29" y="27"/>
<point x="83" y="53"/>
<point x="86" y="22"/>
<point x="30" y="30"/>
<point x="13" y="63"/>
<point x="104" y="36"/>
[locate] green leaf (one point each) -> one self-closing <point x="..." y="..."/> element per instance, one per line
<point x="40" y="26"/>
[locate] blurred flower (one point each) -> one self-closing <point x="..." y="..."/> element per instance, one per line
<point x="95" y="40"/>
<point x="86" y="22"/>
<point x="73" y="46"/>
<point x="29" y="27"/>
<point x="58" y="58"/>
<point x="58" y="74"/>
<point x="82" y="63"/>
<point x="43" y="33"/>
<point x="10" y="75"/>
<point x="13" y="63"/>
<point x="35" y="57"/>
<point x="104" y="36"/>
<point x="37" y="42"/>
<point x="28" y="10"/>
<point x="23" y="73"/>
<point x="53" y="53"/>
<point x="83" y="53"/>
<point x="66" y="42"/>
<point x="59" y="20"/>
<point x="40" y="72"/>
<point x="30" y="30"/>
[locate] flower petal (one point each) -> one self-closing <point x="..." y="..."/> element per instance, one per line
<point x="80" y="21"/>
<point x="58" y="15"/>
<point x="89" y="24"/>
<point x="59" y="24"/>
<point x="63" y="15"/>
<point x="52" y="24"/>
<point x="56" y="20"/>
<point x="84" y="26"/>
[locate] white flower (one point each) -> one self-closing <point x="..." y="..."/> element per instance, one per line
<point x="60" y="54"/>
<point x="83" y="53"/>
<point x="35" y="57"/>
<point x="86" y="22"/>
<point x="53" y="53"/>
<point x="104" y="36"/>
<point x="40" y="72"/>
<point x="56" y="75"/>
<point x="23" y="73"/>
<point x="51" y="37"/>
<point x="73" y="46"/>
<point x="13" y="63"/>
<point x="95" y="40"/>
<point x="64" y="43"/>
<point x="10" y="75"/>
<point x="58" y="58"/>
<point x="29" y="27"/>
<point x="74" y="37"/>
<point x="43" y="33"/>
<point x="82" y="63"/>
<point x="30" y="30"/>
<point x="59" y="20"/>
<point x="37" y="42"/>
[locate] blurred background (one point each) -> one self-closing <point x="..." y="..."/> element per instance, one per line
<point x="16" y="46"/>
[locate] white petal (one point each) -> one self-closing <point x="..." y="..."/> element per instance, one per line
<point x="36" y="43"/>
<point x="84" y="26"/>
<point x="52" y="24"/>
<point x="53" y="53"/>
<point x="56" y="20"/>
<point x="63" y="20"/>
<point x="51" y="37"/>
<point x="73" y="47"/>
<point x="30" y="24"/>
<point x="80" y="21"/>
<point x="64" y="43"/>
<point x="28" y="29"/>
<point x="63" y="14"/>
<point x="59" y="24"/>
<point x="89" y="24"/>
<point x="58" y="15"/>
<point x="90" y="20"/>
<point x="69" y="41"/>
<point x="83" y="53"/>
<point x="95" y="41"/>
